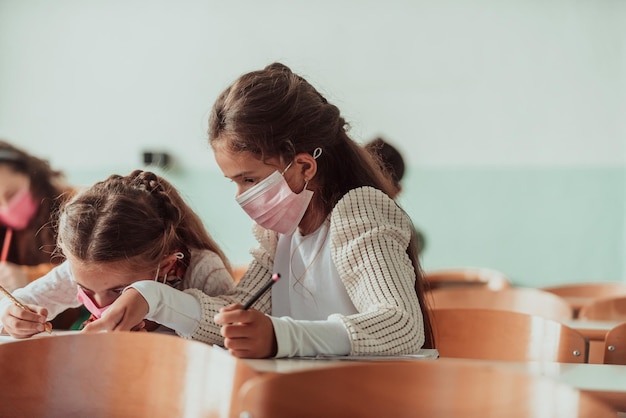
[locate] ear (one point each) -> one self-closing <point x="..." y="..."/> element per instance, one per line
<point x="168" y="262"/>
<point x="306" y="164"/>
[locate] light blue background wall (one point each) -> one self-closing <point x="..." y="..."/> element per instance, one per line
<point x="509" y="112"/>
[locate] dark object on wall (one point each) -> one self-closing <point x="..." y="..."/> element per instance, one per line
<point x="158" y="159"/>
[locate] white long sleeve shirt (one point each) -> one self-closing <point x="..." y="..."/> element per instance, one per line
<point x="57" y="290"/>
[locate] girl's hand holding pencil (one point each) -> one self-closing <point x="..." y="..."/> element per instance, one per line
<point x="247" y="332"/>
<point x="21" y="321"/>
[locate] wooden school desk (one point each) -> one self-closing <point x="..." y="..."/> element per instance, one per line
<point x="607" y="382"/>
<point x="595" y="331"/>
<point x="226" y="374"/>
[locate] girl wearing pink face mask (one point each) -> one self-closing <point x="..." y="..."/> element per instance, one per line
<point x="30" y="192"/>
<point x="117" y="234"/>
<point x="350" y="282"/>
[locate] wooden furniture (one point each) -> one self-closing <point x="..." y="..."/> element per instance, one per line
<point x="580" y="294"/>
<point x="238" y="272"/>
<point x="466" y="276"/>
<point x="615" y="345"/>
<point x="407" y="389"/>
<point x="224" y="376"/>
<point x="611" y="308"/>
<point x="505" y="335"/>
<point x="118" y="374"/>
<point x="595" y="332"/>
<point x="518" y="299"/>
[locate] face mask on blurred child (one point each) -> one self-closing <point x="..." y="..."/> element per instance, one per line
<point x="20" y="210"/>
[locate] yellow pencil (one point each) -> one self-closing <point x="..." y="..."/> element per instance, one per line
<point x="47" y="326"/>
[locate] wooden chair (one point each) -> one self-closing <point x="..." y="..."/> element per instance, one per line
<point x="238" y="272"/>
<point x="117" y="374"/>
<point x="434" y="389"/>
<point x="581" y="294"/>
<point x="491" y="334"/>
<point x="615" y="345"/>
<point x="466" y="276"/>
<point x="518" y="299"/>
<point x="605" y="309"/>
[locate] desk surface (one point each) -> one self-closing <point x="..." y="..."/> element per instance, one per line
<point x="605" y="381"/>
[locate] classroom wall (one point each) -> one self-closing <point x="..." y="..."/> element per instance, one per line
<point x="508" y="112"/>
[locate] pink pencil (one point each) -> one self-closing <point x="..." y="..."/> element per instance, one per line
<point x="5" y="247"/>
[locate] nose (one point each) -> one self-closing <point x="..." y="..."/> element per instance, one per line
<point x="102" y="300"/>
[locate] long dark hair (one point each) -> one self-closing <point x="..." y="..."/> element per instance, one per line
<point x="35" y="244"/>
<point x="274" y="113"/>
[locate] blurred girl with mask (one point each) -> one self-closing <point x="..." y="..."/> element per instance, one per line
<point x="30" y="192"/>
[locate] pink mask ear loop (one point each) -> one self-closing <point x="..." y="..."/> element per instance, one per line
<point x="282" y="173"/>
<point x="178" y="256"/>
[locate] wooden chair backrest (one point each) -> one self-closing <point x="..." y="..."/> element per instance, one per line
<point x="605" y="309"/>
<point x="517" y="299"/>
<point x="615" y="345"/>
<point x="505" y="335"/>
<point x="427" y="388"/>
<point x="118" y="374"/>
<point x="590" y="289"/>
<point x="469" y="276"/>
<point x="238" y="272"/>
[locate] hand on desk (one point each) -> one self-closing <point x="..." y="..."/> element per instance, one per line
<point x="20" y="323"/>
<point x="247" y="333"/>
<point x="127" y="313"/>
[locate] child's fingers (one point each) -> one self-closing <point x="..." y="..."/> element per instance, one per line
<point x="20" y="323"/>
<point x="34" y="314"/>
<point x="230" y="314"/>
<point x="232" y="307"/>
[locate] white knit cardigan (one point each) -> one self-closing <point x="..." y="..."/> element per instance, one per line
<point x="369" y="238"/>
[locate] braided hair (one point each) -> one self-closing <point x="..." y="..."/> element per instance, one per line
<point x="139" y="218"/>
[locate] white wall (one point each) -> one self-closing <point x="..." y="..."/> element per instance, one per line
<point x="514" y="82"/>
<point x="526" y="97"/>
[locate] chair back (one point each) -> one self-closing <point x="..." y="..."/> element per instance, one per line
<point x="424" y="388"/>
<point x="579" y="295"/>
<point x="588" y="289"/>
<point x="491" y="334"/>
<point x="605" y="309"/>
<point x="117" y="374"/>
<point x="238" y="272"/>
<point x="465" y="277"/>
<point x="615" y="345"/>
<point x="518" y="299"/>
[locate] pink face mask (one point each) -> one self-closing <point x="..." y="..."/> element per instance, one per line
<point x="89" y="304"/>
<point x="19" y="211"/>
<point x="273" y="205"/>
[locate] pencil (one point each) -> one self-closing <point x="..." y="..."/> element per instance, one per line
<point x="261" y="291"/>
<point x="5" y="246"/>
<point x="47" y="326"/>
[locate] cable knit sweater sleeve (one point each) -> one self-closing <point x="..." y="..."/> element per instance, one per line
<point x="369" y="238"/>
<point x="258" y="273"/>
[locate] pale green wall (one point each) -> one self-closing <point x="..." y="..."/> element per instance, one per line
<point x="510" y="113"/>
<point x="539" y="226"/>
